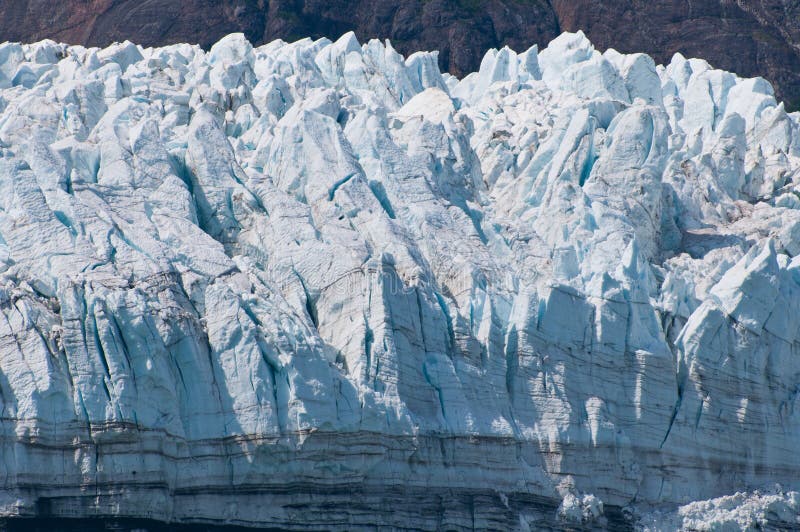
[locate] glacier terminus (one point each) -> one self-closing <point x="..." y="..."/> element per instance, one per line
<point x="319" y="285"/>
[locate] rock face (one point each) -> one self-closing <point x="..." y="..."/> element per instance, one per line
<point x="320" y="285"/>
<point x="751" y="38"/>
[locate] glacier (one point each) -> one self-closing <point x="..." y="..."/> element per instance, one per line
<point x="321" y="285"/>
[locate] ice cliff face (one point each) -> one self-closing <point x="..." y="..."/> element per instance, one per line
<point x="318" y="284"/>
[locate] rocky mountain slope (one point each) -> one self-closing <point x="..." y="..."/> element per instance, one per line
<point x="318" y="284"/>
<point x="751" y="38"/>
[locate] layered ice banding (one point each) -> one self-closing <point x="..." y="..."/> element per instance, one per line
<point x="320" y="284"/>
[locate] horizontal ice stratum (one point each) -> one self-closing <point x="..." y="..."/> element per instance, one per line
<point x="320" y="285"/>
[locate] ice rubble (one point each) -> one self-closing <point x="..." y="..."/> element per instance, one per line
<point x="292" y="272"/>
<point x="773" y="509"/>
